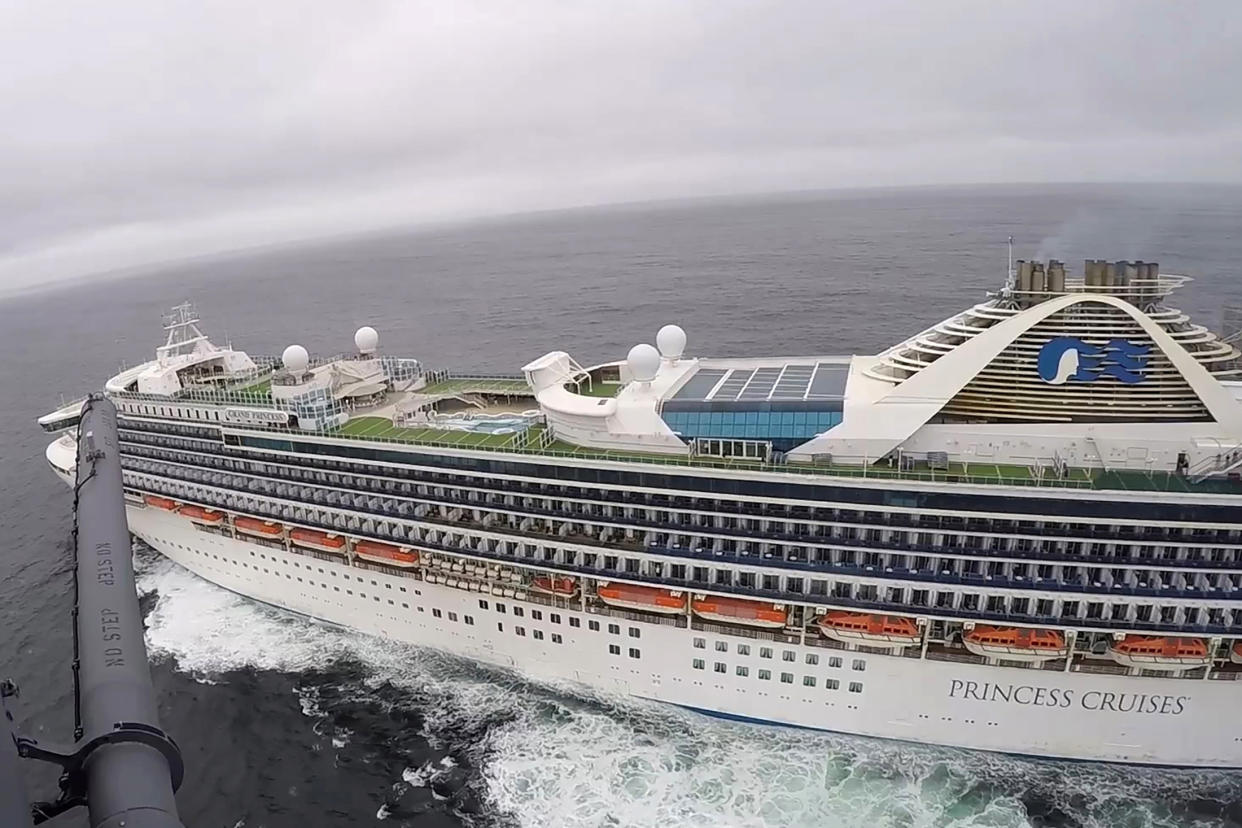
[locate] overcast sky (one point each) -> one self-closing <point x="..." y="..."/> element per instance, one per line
<point x="138" y="130"/>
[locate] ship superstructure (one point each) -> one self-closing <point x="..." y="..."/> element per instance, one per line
<point x="1019" y="530"/>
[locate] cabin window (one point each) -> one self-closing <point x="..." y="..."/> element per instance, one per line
<point x="434" y="612"/>
<point x="855" y="686"/>
<point x="614" y="649"/>
<point x="765" y="675"/>
<point x="500" y="608"/>
<point x="482" y="603"/>
<point x="519" y="612"/>
<point x="615" y="629"/>
<point x="812" y="659"/>
<point x="789" y="655"/>
<point x="452" y="616"/>
<point x="765" y="652"/>
<point x="743" y="649"/>
<point x="634" y="652"/>
<point x="720" y="667"/>
<point x="556" y="618"/>
<point x="808" y="681"/>
<point x="468" y="619"/>
<point x="536" y="614"/>
<point x="859" y="664"/>
<point x="593" y="626"/>
<point x="831" y="684"/>
<point x="700" y="643"/>
<point x="538" y="634"/>
<point x="722" y="646"/>
<point x="575" y="622"/>
<point x="834" y="661"/>
<point x="556" y="638"/>
<point x="635" y="632"/>
<point x="698" y="664"/>
<point x="520" y="631"/>
<point x="786" y="678"/>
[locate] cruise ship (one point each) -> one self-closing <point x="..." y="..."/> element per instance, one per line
<point x="1019" y="530"/>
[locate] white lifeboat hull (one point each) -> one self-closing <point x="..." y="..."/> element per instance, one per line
<point x="380" y="559"/>
<point x="322" y="547"/>
<point x="623" y="603"/>
<point x="896" y="642"/>
<point x="258" y="533"/>
<point x="1025" y="655"/>
<point x="721" y="618"/>
<point x="1163" y="664"/>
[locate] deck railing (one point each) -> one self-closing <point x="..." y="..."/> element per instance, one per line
<point x="542" y="442"/>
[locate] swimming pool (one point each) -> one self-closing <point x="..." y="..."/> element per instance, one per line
<point x="496" y="424"/>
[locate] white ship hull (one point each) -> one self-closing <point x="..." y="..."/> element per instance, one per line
<point x="1071" y="715"/>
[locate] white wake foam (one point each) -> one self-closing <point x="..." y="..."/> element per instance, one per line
<point x="550" y="759"/>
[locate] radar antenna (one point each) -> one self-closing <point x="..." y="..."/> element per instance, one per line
<point x="183" y="332"/>
<point x="1009" y="271"/>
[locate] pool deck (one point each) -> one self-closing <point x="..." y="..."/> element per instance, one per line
<point x="373" y="427"/>
<point x="477" y="385"/>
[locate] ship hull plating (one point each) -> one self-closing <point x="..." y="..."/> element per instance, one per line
<point x="1043" y="713"/>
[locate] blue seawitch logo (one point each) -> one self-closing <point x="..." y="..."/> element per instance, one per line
<point x="1065" y="358"/>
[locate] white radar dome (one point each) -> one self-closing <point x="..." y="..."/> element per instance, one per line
<point x="671" y="340"/>
<point x="295" y="359"/>
<point x="366" y="339"/>
<point x="644" y="362"/>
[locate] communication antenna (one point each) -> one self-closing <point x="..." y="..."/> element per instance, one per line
<point x="1009" y="270"/>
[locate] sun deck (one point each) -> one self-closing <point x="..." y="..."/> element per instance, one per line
<point x="536" y="440"/>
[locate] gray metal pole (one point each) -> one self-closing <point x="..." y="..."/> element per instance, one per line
<point x="129" y="781"/>
<point x="14" y="805"/>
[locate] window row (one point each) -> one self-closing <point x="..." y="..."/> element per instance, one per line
<point x="766" y="675"/>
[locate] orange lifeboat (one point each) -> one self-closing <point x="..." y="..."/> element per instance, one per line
<point x="161" y="503"/>
<point x="551" y="585"/>
<point x="739" y="611"/>
<point x="644" y="598"/>
<point x="322" y="541"/>
<point x="200" y="515"/>
<point x="385" y="553"/>
<point x="870" y="630"/>
<point x="1168" y="655"/>
<point x="1235" y="653"/>
<point x="1016" y="643"/>
<point x="259" y="528"/>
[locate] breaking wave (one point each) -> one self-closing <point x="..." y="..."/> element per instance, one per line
<point x="538" y="755"/>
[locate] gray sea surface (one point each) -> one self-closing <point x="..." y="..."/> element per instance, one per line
<point x="287" y="723"/>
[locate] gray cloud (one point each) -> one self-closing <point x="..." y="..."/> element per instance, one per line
<point x="141" y="130"/>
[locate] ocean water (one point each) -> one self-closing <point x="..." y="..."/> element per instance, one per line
<point x="284" y="722"/>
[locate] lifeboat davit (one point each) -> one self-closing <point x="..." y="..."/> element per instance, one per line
<point x="1169" y="655"/>
<point x="739" y="611"/>
<point x="200" y="515"/>
<point x="161" y="503"/>
<point x="870" y="630"/>
<point x="385" y="553"/>
<point x="322" y="541"/>
<point x="643" y="598"/>
<point x="258" y="528"/>
<point x="1016" y="643"/>
<point x="548" y="585"/>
